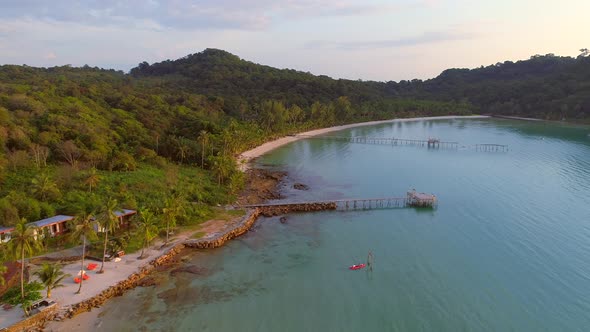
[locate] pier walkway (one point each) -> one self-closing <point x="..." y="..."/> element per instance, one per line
<point x="431" y="143"/>
<point x="412" y="199"/>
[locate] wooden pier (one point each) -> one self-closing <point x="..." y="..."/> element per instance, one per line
<point x="412" y="199"/>
<point x="491" y="147"/>
<point x="430" y="143"/>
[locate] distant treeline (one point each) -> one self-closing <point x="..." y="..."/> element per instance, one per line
<point x="545" y="87"/>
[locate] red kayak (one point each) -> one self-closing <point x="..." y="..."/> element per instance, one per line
<point x="357" y="266"/>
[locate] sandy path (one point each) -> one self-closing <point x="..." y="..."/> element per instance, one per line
<point x="247" y="156"/>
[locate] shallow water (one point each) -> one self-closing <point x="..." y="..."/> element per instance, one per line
<point x="507" y="249"/>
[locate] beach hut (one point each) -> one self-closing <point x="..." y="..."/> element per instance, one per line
<point x="53" y="226"/>
<point x="125" y="216"/>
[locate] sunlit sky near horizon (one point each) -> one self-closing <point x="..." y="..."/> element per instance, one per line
<point x="369" y="40"/>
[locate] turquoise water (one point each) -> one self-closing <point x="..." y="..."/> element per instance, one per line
<point x="508" y="248"/>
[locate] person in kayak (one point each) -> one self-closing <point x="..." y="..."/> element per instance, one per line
<point x="370" y="259"/>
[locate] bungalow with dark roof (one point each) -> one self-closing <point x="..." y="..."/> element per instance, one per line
<point x="58" y="225"/>
<point x="55" y="225"/>
<point x="124" y="216"/>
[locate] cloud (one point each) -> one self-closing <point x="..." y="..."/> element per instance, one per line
<point x="35" y="42"/>
<point x="50" y="56"/>
<point x="204" y="14"/>
<point x="6" y="31"/>
<point x="425" y="38"/>
<point x="336" y="8"/>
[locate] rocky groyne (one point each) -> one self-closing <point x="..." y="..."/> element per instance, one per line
<point x="217" y="240"/>
<point x="35" y="322"/>
<point x="280" y="209"/>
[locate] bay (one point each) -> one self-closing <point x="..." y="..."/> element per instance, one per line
<point x="506" y="250"/>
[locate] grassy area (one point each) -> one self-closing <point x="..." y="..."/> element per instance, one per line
<point x="198" y="235"/>
<point x="147" y="187"/>
<point x="228" y="215"/>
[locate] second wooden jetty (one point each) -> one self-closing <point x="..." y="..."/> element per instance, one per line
<point x="412" y="199"/>
<point x="430" y="143"/>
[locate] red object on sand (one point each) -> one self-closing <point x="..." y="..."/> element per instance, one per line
<point x="77" y="280"/>
<point x="85" y="277"/>
<point x="91" y="266"/>
<point x="357" y="266"/>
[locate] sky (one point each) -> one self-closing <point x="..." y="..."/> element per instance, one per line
<point x="367" y="40"/>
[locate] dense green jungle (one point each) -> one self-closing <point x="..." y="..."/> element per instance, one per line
<point x="72" y="138"/>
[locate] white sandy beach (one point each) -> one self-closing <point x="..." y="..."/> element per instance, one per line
<point x="65" y="296"/>
<point x="246" y="157"/>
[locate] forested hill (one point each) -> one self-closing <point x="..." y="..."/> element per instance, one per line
<point x="71" y="137"/>
<point x="217" y="72"/>
<point x="547" y="87"/>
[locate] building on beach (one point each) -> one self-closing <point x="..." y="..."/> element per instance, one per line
<point x="53" y="226"/>
<point x="124" y="216"/>
<point x="58" y="225"/>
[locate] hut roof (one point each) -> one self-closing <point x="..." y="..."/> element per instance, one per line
<point x="125" y="212"/>
<point x="53" y="220"/>
<point x="423" y="196"/>
<point x="6" y="230"/>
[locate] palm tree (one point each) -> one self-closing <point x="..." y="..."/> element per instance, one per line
<point x="222" y="167"/>
<point x="236" y="181"/>
<point x="174" y="208"/>
<point x="147" y="228"/>
<point x="204" y="139"/>
<point x="51" y="276"/>
<point x="109" y="222"/>
<point x="92" y="179"/>
<point x="183" y="149"/>
<point x="23" y="242"/>
<point x="229" y="142"/>
<point x="84" y="228"/>
<point x="43" y="187"/>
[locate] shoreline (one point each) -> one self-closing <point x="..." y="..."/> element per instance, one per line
<point x="246" y="157"/>
<point x="75" y="317"/>
<point x="85" y="314"/>
<point x="516" y="118"/>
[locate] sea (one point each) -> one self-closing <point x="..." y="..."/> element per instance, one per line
<point x="506" y="249"/>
